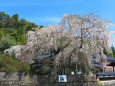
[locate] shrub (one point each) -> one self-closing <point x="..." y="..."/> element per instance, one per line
<point x="44" y="70"/>
<point x="9" y="64"/>
<point x="6" y="42"/>
<point x="95" y="70"/>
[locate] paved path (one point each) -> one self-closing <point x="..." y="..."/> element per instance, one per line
<point x="108" y="83"/>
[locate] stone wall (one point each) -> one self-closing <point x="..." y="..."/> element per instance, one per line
<point x="78" y="80"/>
<point x="108" y="83"/>
<point x="19" y="79"/>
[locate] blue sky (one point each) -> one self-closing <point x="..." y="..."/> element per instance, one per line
<point x="46" y="12"/>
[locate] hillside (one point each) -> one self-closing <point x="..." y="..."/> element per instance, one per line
<point x="13" y="30"/>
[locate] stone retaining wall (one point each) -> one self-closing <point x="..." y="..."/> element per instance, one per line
<point x="19" y="79"/>
<point x="76" y="80"/>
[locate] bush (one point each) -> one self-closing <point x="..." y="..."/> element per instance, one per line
<point x="9" y="64"/>
<point x="6" y="42"/>
<point x="44" y="70"/>
<point x="1" y="34"/>
<point x="24" y="67"/>
<point x="95" y="70"/>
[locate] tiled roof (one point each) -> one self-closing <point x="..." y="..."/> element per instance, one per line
<point x="98" y="66"/>
<point x="42" y="57"/>
<point x="110" y="59"/>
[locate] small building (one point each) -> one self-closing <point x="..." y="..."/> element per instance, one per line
<point x="98" y="66"/>
<point x="110" y="59"/>
<point x="43" y="65"/>
<point x="109" y="67"/>
<point x="38" y="61"/>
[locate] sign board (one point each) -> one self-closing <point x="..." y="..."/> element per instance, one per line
<point x="62" y="78"/>
<point x="72" y="73"/>
<point x="79" y="73"/>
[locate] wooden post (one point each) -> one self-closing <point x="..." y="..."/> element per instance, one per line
<point x="113" y="66"/>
